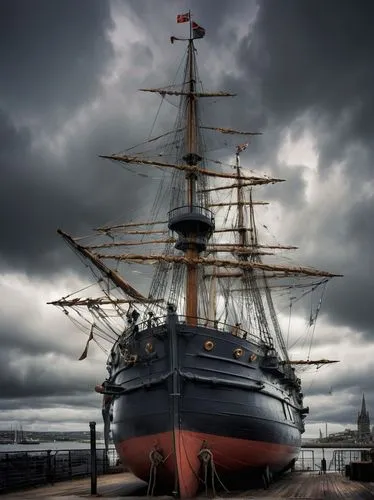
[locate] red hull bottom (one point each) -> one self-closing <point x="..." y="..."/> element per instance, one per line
<point x="181" y="466"/>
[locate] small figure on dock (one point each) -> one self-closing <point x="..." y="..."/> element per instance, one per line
<point x="323" y="465"/>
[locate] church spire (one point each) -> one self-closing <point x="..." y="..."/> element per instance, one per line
<point x="363" y="406"/>
<point x="363" y="423"/>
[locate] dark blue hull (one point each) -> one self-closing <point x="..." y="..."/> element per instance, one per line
<point x="189" y="388"/>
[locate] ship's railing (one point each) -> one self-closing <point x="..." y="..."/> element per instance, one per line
<point x="188" y="209"/>
<point x="235" y="330"/>
<point x="24" y="469"/>
<point x="157" y="323"/>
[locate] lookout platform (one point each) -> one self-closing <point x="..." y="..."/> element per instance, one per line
<point x="296" y="485"/>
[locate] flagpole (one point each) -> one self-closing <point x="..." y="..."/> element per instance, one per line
<point x="189" y="15"/>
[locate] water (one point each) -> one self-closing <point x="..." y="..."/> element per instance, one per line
<point x="53" y="445"/>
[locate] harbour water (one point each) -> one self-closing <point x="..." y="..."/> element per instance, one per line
<point x="53" y="446"/>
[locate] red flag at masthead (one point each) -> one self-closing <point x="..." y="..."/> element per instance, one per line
<point x="183" y="18"/>
<point x="197" y="31"/>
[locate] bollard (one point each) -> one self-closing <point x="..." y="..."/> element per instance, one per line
<point x="93" y="458"/>
<point x="49" y="467"/>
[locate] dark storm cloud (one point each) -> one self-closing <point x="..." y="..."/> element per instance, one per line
<point x="308" y="65"/>
<point x="65" y="50"/>
<point x="17" y="337"/>
<point x="308" y="60"/>
<point x="314" y="56"/>
<point x="341" y="408"/>
<point x="337" y="398"/>
<point x="40" y="193"/>
<point x="341" y="378"/>
<point x="42" y="376"/>
<point x="211" y="14"/>
<point x="82" y="399"/>
<point x="50" y="52"/>
<point x="53" y="54"/>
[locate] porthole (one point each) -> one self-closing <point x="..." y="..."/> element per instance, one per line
<point x="238" y="353"/>
<point x="148" y="347"/>
<point x="208" y="345"/>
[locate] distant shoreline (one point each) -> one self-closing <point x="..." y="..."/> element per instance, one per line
<point x="338" y="444"/>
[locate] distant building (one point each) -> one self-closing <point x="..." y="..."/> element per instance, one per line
<point x="346" y="436"/>
<point x="363" y="423"/>
<point x="361" y="435"/>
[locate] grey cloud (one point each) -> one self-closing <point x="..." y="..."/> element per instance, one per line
<point x="308" y="66"/>
<point x="312" y="55"/>
<point x="81" y="400"/>
<point x="51" y="52"/>
<point x="37" y="197"/>
<point x="44" y="376"/>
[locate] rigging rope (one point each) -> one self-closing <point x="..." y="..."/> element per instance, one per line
<point x="315" y="319"/>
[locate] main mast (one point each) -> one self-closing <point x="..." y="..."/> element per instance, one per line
<point x="191" y="158"/>
<point x="194" y="224"/>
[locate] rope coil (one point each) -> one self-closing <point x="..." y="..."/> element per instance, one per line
<point x="206" y="457"/>
<point x="156" y="458"/>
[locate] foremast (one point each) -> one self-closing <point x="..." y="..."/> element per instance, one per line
<point x="251" y="245"/>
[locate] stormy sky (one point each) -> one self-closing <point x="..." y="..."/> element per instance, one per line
<point x="304" y="74"/>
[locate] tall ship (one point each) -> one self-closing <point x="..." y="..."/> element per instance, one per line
<point x="200" y="386"/>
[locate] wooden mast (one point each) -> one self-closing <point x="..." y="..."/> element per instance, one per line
<point x="192" y="156"/>
<point x="241" y="229"/>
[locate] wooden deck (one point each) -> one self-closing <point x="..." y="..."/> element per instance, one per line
<point x="312" y="486"/>
<point x="298" y="485"/>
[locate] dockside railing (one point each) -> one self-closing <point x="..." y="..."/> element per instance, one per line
<point x="24" y="469"/>
<point x="309" y="460"/>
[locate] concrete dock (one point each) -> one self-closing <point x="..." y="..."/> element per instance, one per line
<point x="296" y="485"/>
